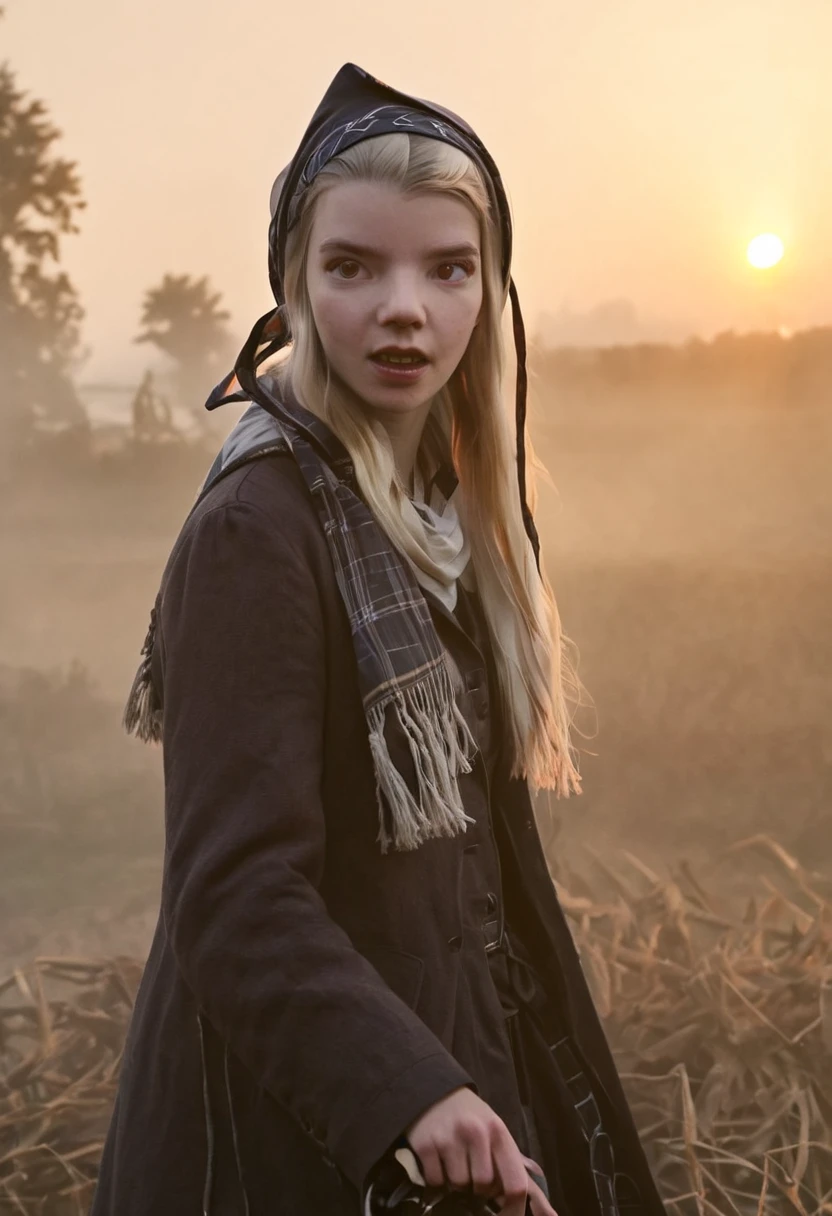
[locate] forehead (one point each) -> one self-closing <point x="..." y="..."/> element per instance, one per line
<point x="372" y="213"/>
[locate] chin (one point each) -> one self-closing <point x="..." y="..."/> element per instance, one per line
<point x="401" y="400"/>
<point x="398" y="401"/>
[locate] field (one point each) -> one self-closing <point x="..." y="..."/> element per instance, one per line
<point x="689" y="551"/>
<point x="719" y="1015"/>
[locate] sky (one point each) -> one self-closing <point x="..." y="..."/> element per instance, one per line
<point x="642" y="143"/>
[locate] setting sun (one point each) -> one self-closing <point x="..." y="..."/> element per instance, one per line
<point x="765" y="251"/>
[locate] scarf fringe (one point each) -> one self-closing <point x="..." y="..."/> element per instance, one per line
<point x="143" y="712"/>
<point x="441" y="745"/>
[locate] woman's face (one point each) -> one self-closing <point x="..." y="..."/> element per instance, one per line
<point x="387" y="269"/>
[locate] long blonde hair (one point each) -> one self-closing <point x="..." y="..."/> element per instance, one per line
<point x="468" y="422"/>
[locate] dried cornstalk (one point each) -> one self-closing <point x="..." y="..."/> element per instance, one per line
<point x="721" y="1027"/>
<point x="62" y="1028"/>
<point x="721" y="1022"/>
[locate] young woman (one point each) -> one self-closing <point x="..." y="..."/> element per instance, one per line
<point x="356" y="668"/>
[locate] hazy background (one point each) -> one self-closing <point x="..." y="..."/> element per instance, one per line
<point x="642" y="143"/>
<point x="681" y="400"/>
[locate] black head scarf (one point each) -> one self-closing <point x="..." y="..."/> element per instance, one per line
<point x="358" y="106"/>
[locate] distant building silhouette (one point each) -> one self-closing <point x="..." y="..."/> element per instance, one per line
<point x="151" y="413"/>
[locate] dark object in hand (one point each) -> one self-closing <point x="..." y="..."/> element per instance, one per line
<point x="398" y="1187"/>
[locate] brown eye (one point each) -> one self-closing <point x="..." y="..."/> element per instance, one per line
<point x="465" y="266"/>
<point x="342" y="264"/>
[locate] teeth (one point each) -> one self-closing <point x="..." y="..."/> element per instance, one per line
<point x="399" y="358"/>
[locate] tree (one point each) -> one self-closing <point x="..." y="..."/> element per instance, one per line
<point x="183" y="318"/>
<point x="40" y="316"/>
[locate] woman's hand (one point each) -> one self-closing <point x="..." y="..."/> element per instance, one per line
<point x="461" y="1142"/>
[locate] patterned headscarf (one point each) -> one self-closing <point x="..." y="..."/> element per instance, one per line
<point x="358" y="106"/>
<point x="402" y="666"/>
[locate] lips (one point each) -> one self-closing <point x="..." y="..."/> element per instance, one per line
<point x="410" y="354"/>
<point x="398" y="373"/>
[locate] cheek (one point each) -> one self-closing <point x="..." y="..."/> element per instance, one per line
<point x="459" y="320"/>
<point x="337" y="322"/>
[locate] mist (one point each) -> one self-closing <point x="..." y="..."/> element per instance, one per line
<point x="679" y="404"/>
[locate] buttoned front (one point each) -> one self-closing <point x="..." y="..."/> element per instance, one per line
<point x="474" y="676"/>
<point x="486" y="1052"/>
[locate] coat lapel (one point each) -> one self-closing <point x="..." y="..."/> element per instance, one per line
<point x="452" y="622"/>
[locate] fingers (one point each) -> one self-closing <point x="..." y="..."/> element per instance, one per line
<point x="539" y="1203"/>
<point x="455" y="1163"/>
<point x="465" y="1145"/>
<point x="431" y="1165"/>
<point x="515" y="1183"/>
<point x="481" y="1166"/>
<point x="467" y="1160"/>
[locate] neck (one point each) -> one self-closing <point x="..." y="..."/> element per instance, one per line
<point x="405" y="434"/>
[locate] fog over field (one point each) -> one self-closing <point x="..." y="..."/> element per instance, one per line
<point x="688" y="545"/>
<point x="680" y="398"/>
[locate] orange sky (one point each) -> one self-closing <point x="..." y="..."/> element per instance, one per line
<point x="643" y="143"/>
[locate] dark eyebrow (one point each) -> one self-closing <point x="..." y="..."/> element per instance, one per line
<point x="465" y="250"/>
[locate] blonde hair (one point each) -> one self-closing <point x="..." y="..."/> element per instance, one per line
<point x="469" y="424"/>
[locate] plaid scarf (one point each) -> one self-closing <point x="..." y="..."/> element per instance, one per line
<point x="402" y="666"/>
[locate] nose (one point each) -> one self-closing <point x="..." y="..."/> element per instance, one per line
<point x="401" y="301"/>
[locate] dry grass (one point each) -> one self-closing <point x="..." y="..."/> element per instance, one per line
<point x="62" y="1027"/>
<point x="722" y="1025"/>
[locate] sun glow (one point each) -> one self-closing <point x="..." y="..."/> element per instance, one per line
<point x="765" y="251"/>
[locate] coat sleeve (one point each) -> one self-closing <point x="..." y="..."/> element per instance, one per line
<point x="244" y="687"/>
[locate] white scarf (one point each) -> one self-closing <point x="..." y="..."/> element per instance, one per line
<point x="437" y="530"/>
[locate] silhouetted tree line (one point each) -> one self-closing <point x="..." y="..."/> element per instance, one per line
<point x="182" y="316"/>
<point x="40" y="311"/>
<point x="757" y="368"/>
<point x="40" y="315"/>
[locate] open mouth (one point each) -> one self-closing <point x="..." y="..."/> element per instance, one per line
<point x="388" y="360"/>
<point x="398" y="370"/>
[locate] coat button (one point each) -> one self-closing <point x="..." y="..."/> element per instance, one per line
<point x="455" y="944"/>
<point x="476" y="683"/>
<point x="474" y="679"/>
<point x="491" y="902"/>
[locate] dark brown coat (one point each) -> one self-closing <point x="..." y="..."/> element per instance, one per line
<point x="307" y="997"/>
